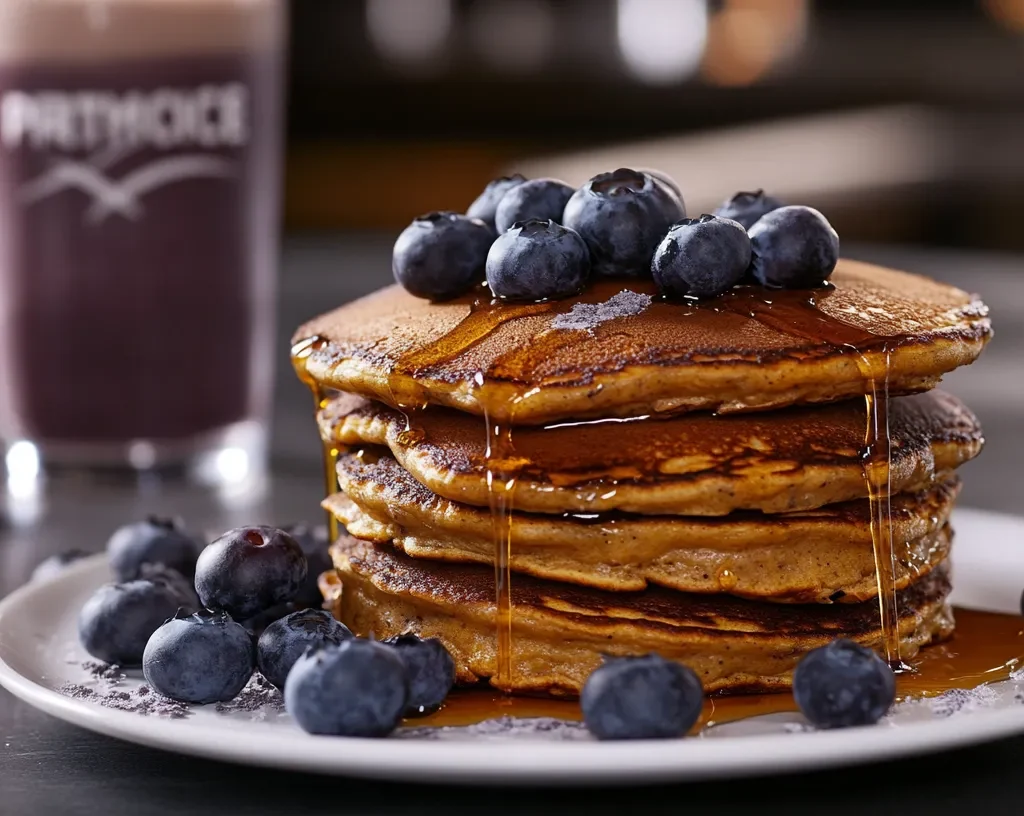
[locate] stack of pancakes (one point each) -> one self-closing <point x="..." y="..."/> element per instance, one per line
<point x="688" y="478"/>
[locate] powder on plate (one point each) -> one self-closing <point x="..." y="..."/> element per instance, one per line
<point x="142" y="700"/>
<point x="111" y="673"/>
<point x="259" y="697"/>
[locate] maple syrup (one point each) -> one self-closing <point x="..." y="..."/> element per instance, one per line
<point x="501" y="483"/>
<point x="300" y="355"/>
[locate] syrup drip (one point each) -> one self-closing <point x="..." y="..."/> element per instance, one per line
<point x="798" y="315"/>
<point x="485" y="316"/>
<point x="877" y="475"/>
<point x="986" y="647"/>
<point x="300" y="354"/>
<point x="501" y="483"/>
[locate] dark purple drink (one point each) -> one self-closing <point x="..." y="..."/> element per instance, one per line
<point x="139" y="164"/>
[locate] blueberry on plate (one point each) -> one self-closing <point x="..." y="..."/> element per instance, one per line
<point x="115" y="623"/>
<point x="56" y="564"/>
<point x="622" y="217"/>
<point x="537" y="260"/>
<point x="747" y="208"/>
<point x="174" y="581"/>
<point x="153" y="541"/>
<point x="441" y="255"/>
<point x="429" y="668"/>
<point x="284" y="641"/>
<point x="541" y="199"/>
<point x="258" y="623"/>
<point x="314" y="544"/>
<point x="201" y="658"/>
<point x="357" y="689"/>
<point x="701" y="257"/>
<point x="843" y="684"/>
<point x="250" y="569"/>
<point x="485" y="207"/>
<point x="793" y="247"/>
<point x="645" y="697"/>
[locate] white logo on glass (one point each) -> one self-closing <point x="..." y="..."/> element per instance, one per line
<point x="116" y="127"/>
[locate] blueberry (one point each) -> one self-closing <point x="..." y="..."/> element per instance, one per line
<point x="357" y="689"/>
<point x="666" y="181"/>
<point x="249" y="570"/>
<point x="258" y="623"/>
<point x="747" y="208"/>
<point x="201" y="658"/>
<point x="286" y="640"/>
<point x="429" y="668"/>
<point x="537" y="260"/>
<point x="153" y="541"/>
<point x="174" y="581"/>
<point x="314" y="544"/>
<point x="542" y="199"/>
<point x="115" y="623"/>
<point x="793" y="248"/>
<point x="701" y="257"/>
<point x="485" y="207"/>
<point x="622" y="217"/>
<point x="441" y="255"/>
<point x="56" y="564"/>
<point x="645" y="697"/>
<point x="843" y="684"/>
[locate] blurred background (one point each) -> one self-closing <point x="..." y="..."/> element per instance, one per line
<point x="902" y="121"/>
<point x="906" y="116"/>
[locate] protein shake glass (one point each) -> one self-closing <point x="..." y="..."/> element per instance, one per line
<point x="140" y="153"/>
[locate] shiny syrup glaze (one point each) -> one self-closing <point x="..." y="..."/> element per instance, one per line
<point x="300" y="354"/>
<point x="986" y="647"/>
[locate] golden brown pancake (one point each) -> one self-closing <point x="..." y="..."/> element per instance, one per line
<point x="817" y="556"/>
<point x="560" y="632"/>
<point x="694" y="464"/>
<point x="608" y="354"/>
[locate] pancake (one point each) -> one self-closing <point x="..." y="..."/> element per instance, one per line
<point x="605" y="353"/>
<point x="560" y="632"/>
<point x="695" y="464"/>
<point x="813" y="557"/>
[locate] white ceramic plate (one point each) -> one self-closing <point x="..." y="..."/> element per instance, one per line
<point x="39" y="654"/>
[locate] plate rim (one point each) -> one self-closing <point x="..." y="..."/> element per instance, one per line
<point x="569" y="763"/>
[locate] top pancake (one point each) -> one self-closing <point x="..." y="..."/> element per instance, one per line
<point x="605" y="353"/>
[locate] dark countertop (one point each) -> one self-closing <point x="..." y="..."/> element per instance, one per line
<point x="47" y="767"/>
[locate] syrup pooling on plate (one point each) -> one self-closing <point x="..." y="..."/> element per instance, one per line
<point x="797" y="313"/>
<point x="301" y="352"/>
